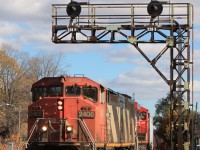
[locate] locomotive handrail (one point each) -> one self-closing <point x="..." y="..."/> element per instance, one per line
<point x="83" y="124"/>
<point x="32" y="130"/>
<point x="89" y="134"/>
<point x="35" y="125"/>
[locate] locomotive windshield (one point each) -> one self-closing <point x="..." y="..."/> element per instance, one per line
<point x="46" y="91"/>
<point x="87" y="91"/>
<point x="55" y="91"/>
<point x="90" y="92"/>
<point x="143" y="115"/>
<point x="73" y="90"/>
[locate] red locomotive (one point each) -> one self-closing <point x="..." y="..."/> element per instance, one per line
<point x="79" y="113"/>
<point x="142" y="126"/>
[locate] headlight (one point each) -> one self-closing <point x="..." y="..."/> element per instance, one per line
<point x="69" y="128"/>
<point x="60" y="105"/>
<point x="60" y="102"/>
<point x="44" y="128"/>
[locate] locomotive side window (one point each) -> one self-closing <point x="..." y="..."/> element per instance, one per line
<point x="138" y="115"/>
<point x="143" y="115"/>
<point x="73" y="90"/>
<point x="103" y="94"/>
<point x="90" y="92"/>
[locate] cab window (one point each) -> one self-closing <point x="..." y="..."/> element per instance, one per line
<point x="90" y="93"/>
<point x="73" y="90"/>
<point x="143" y="115"/>
<point x="46" y="91"/>
<point x="55" y="91"/>
<point x="39" y="92"/>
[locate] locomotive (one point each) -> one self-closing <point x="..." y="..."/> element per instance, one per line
<point x="81" y="114"/>
<point x="142" y="126"/>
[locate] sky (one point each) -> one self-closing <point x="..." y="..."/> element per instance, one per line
<point x="26" y="25"/>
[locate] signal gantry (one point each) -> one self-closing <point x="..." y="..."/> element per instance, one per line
<point x="168" y="24"/>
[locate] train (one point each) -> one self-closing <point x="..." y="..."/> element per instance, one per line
<point x="77" y="113"/>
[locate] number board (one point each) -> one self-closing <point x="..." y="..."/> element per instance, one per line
<point x="86" y="114"/>
<point x="36" y="114"/>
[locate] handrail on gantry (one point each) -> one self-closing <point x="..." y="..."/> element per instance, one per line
<point x="114" y="17"/>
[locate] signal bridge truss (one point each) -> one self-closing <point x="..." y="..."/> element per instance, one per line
<point x="161" y="24"/>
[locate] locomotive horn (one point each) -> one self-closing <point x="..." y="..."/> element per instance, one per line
<point x="73" y="9"/>
<point x="154" y="8"/>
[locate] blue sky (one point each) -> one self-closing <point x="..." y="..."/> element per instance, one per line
<point x="26" y="25"/>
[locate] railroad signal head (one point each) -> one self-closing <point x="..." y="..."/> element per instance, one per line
<point x="73" y="9"/>
<point x="154" y="8"/>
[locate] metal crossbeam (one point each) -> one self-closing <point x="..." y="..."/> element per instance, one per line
<point x="131" y="23"/>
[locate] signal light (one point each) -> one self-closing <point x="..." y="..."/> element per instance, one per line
<point x="154" y="8"/>
<point x="73" y="9"/>
<point x="60" y="105"/>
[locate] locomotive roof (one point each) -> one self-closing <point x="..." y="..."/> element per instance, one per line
<point x="61" y="79"/>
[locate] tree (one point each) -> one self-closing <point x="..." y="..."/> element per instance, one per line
<point x="14" y="86"/>
<point x="162" y="119"/>
<point x="46" y="65"/>
<point x="18" y="72"/>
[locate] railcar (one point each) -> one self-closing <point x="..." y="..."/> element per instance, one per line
<point x="81" y="114"/>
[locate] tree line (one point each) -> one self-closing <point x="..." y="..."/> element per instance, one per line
<point x="18" y="71"/>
